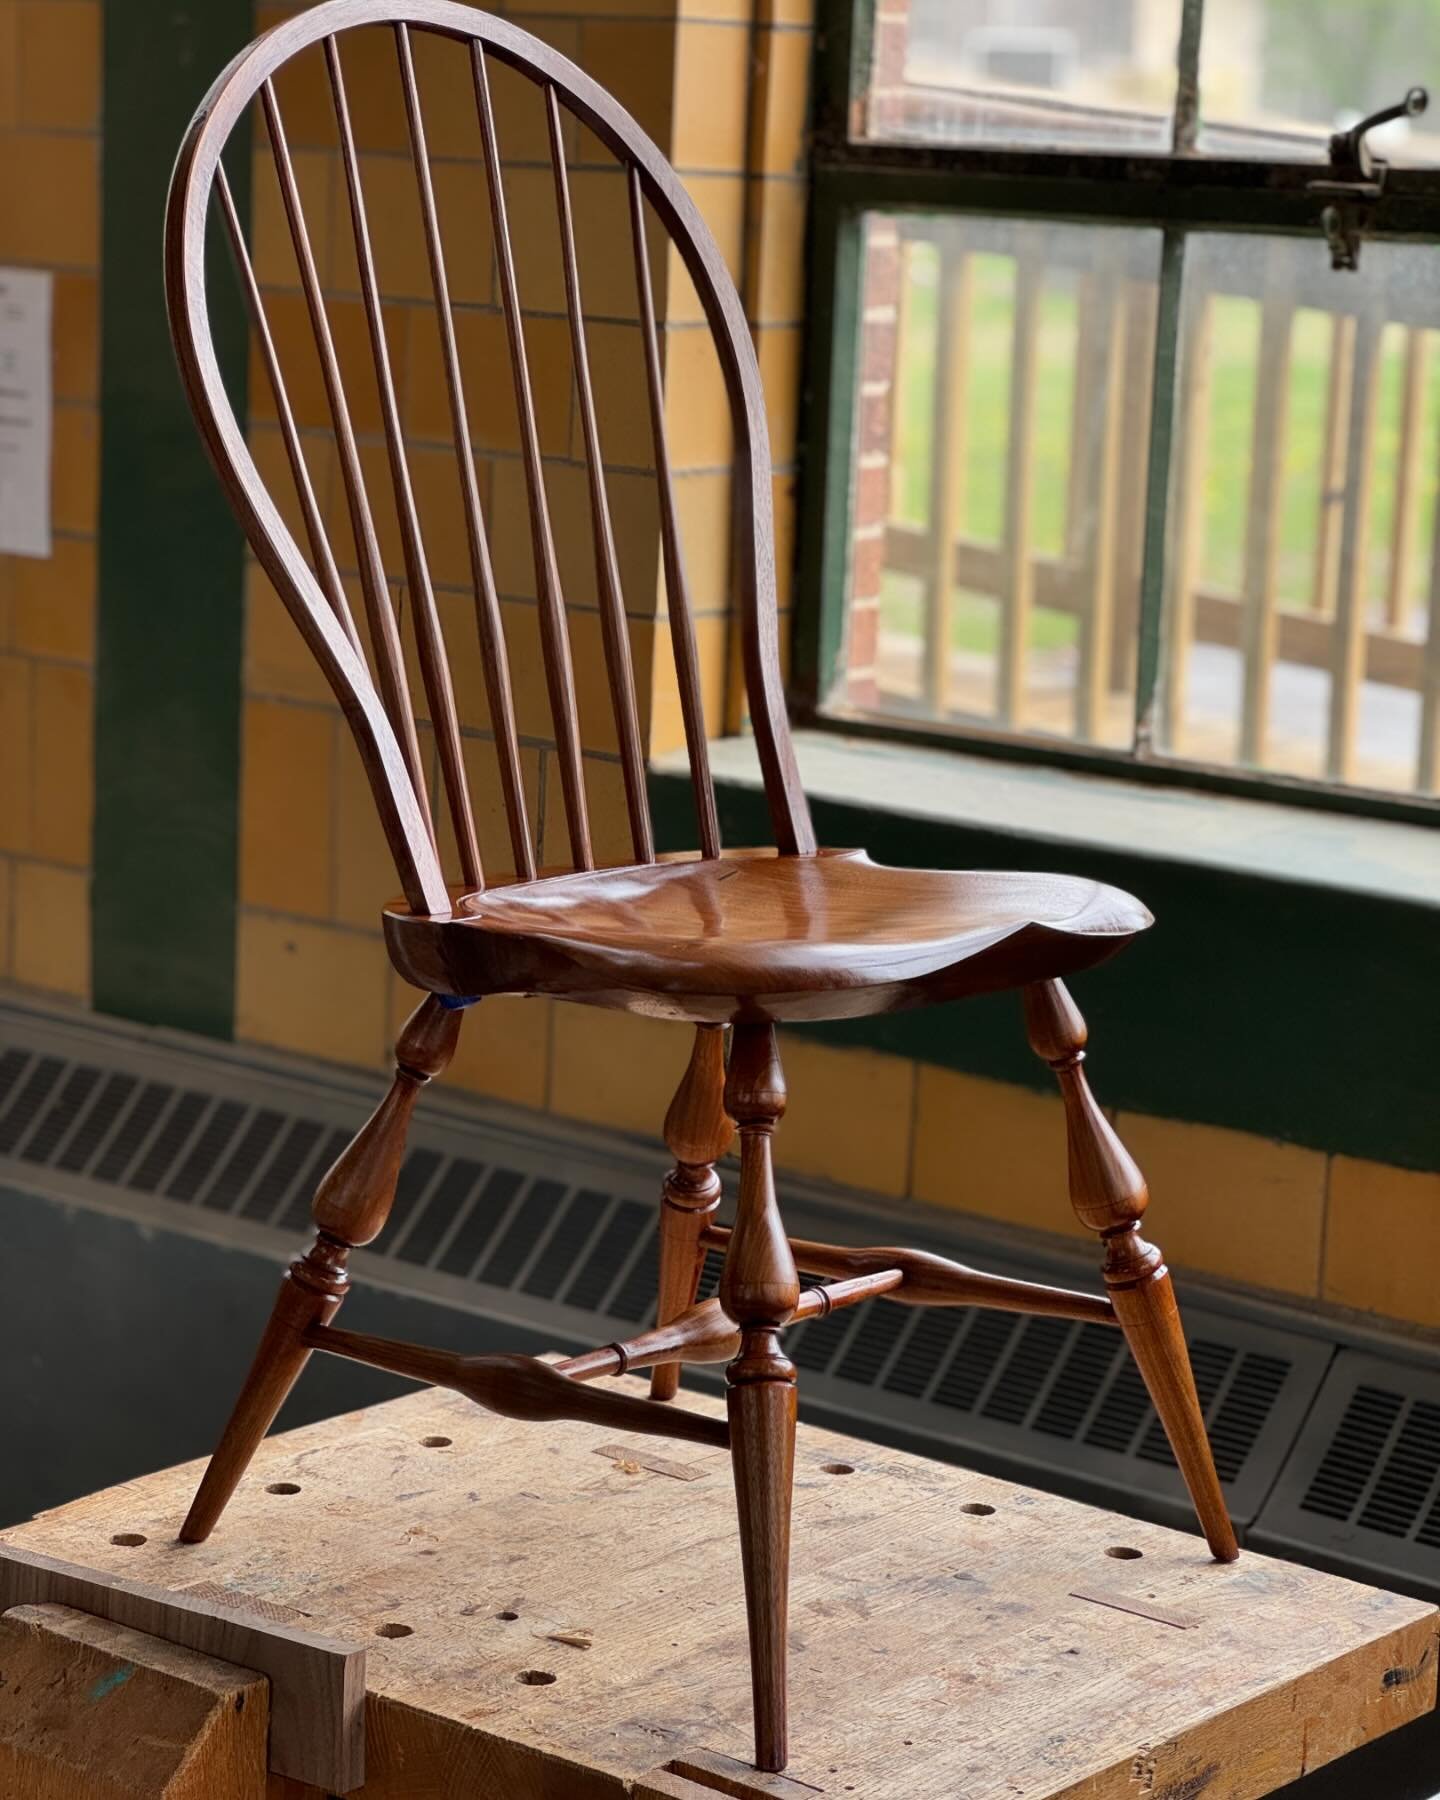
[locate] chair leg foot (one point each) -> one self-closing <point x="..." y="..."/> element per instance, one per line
<point x="309" y="1295"/>
<point x="1150" y="1320"/>
<point x="698" y="1133"/>
<point x="1109" y="1195"/>
<point x="762" y="1447"/>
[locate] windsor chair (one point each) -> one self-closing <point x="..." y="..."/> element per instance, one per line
<point x="733" y="941"/>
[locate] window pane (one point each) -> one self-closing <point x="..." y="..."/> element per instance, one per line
<point x="1302" y="556"/>
<point x="1003" y="405"/>
<point x="1278" y="76"/>
<point x="1049" y="73"/>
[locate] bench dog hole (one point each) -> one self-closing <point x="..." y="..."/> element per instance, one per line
<point x="536" y="1677"/>
<point x="507" y="1614"/>
<point x="391" y="1629"/>
<point x="1123" y="1553"/>
<point x="977" y="1508"/>
<point x="437" y="1443"/>
<point x="837" y="1468"/>
<point x="283" y="1487"/>
<point x="130" y="1539"/>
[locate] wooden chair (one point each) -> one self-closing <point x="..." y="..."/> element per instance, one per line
<point x="728" y="939"/>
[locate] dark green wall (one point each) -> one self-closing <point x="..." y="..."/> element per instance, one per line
<point x="171" y="601"/>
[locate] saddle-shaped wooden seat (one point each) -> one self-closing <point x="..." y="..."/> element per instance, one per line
<point x="731" y="940"/>
<point x="754" y="935"/>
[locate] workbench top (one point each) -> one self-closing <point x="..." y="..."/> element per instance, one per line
<point x="551" y="1613"/>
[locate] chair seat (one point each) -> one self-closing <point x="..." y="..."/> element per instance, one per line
<point x="757" y="935"/>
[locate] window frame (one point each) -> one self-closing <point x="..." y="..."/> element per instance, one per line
<point x="1177" y="192"/>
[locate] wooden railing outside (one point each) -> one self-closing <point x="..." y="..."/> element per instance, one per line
<point x="1364" y="611"/>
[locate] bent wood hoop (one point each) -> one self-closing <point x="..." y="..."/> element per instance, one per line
<point x="403" y="809"/>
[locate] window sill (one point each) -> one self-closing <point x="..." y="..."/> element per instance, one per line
<point x="1078" y="811"/>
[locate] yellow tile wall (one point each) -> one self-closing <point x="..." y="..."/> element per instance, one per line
<point x="49" y="219"/>
<point x="1382" y="1240"/>
<point x="1231" y="1203"/>
<point x="986" y="1148"/>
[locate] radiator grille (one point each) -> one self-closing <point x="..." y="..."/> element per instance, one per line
<point x="1364" y="1480"/>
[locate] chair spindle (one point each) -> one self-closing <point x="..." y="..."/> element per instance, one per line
<point x="554" y="635"/>
<point x="613" y="624"/>
<point x="325" y="570"/>
<point x="429" y="639"/>
<point x="489" y="625"/>
<point x="677" y="592"/>
<point x="384" y="633"/>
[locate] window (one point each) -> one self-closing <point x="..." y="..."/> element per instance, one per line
<point x="1123" y="467"/>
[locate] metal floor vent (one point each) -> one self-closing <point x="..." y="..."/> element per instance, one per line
<point x="552" y="1228"/>
<point x="1364" y="1483"/>
<point x="498" y="1210"/>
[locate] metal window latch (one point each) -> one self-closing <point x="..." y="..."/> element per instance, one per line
<point x="1355" y="180"/>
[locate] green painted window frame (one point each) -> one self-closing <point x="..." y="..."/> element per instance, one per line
<point x="1174" y="193"/>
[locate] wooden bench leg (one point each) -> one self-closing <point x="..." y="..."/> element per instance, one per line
<point x="759" y="1289"/>
<point x="1109" y="1195"/>
<point x="352" y="1204"/>
<point x="698" y="1134"/>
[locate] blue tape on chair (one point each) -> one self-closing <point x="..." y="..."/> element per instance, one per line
<point x="454" y="1003"/>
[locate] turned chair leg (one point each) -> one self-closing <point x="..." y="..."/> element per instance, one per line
<point x="352" y="1204"/>
<point x="697" y="1133"/>
<point x="1109" y="1195"/>
<point x="759" y="1290"/>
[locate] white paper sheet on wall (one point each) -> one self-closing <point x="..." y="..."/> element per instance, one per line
<point x="25" y="407"/>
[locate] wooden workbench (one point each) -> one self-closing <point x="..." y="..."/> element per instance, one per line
<point x="576" y="1628"/>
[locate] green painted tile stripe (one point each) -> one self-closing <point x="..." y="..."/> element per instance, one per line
<point x="167" y="755"/>
<point x="1280" y="1008"/>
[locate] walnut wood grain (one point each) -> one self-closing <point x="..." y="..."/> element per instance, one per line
<point x="554" y="630"/>
<point x="495" y="656"/>
<point x="697" y="1133"/>
<point x="325" y="570"/>
<point x="520" y="1387"/>
<point x="759" y="1290"/>
<point x="704" y="1334"/>
<point x="379" y="613"/>
<point x="752" y="934"/>
<point x="927" y="1280"/>
<point x="614" y="626"/>
<point x="429" y="638"/>
<point x="1109" y="1195"/>
<point x="351" y="1206"/>
<point x="677" y="589"/>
